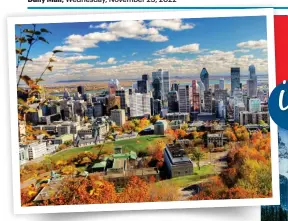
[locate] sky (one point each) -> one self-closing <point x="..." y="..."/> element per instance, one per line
<point x="127" y="49"/>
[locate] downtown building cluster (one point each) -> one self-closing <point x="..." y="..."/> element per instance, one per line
<point x="85" y="118"/>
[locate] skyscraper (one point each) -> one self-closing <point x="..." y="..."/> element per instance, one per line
<point x="204" y="76"/>
<point x="140" y="104"/>
<point x="184" y="99"/>
<point x="235" y="79"/>
<point x="113" y="85"/>
<point x="252" y="82"/>
<point x="221" y="84"/>
<point x="143" y="84"/>
<point x="195" y="96"/>
<point x="124" y="100"/>
<point x="157" y="88"/>
<point x="164" y="78"/>
<point x="208" y="101"/>
<point x="173" y="105"/>
<point x="201" y="94"/>
<point x="81" y="90"/>
<point x="174" y="87"/>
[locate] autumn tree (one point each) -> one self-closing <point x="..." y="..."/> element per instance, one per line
<point x="136" y="191"/>
<point x="197" y="155"/>
<point x="155" y="118"/>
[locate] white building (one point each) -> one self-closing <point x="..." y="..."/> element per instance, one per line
<point x="35" y="150"/>
<point x="139" y="104"/>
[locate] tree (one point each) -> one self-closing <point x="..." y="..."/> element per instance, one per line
<point x="210" y="147"/>
<point x="184" y="126"/>
<point x="155" y="118"/>
<point x="137" y="190"/>
<point x="197" y="155"/>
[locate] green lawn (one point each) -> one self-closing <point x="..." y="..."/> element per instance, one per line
<point x="185" y="181"/>
<point x="137" y="144"/>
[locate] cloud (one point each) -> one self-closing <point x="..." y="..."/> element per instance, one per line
<point x="102" y="25"/>
<point x="109" y="61"/>
<point x="78" y="43"/>
<point x="173" y="24"/>
<point x="134" y="53"/>
<point x="114" y="31"/>
<point x="253" y="44"/>
<point x="241" y="51"/>
<point x="191" y="48"/>
<point x="136" y="30"/>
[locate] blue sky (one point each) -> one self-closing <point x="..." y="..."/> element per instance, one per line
<point x="127" y="49"/>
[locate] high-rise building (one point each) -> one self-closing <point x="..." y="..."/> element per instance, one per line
<point x="201" y="95"/>
<point x="124" y="98"/>
<point x="157" y="88"/>
<point x="118" y="116"/>
<point x="221" y="94"/>
<point x="98" y="109"/>
<point x="164" y="78"/>
<point x="252" y="82"/>
<point x="66" y="94"/>
<point x="208" y="101"/>
<point x="204" y="76"/>
<point x="112" y="102"/>
<point x="235" y="79"/>
<point x="184" y="98"/>
<point x="157" y="106"/>
<point x="221" y="84"/>
<point x="221" y="112"/>
<point x="238" y="108"/>
<point x="174" y="87"/>
<point x="140" y="104"/>
<point x="254" y="105"/>
<point x="113" y="85"/>
<point x="143" y="84"/>
<point x="173" y="105"/>
<point x="81" y="90"/>
<point x="195" y="96"/>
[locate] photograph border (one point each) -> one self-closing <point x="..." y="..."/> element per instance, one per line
<point x="141" y="15"/>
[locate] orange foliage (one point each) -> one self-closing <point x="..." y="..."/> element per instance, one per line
<point x="137" y="190"/>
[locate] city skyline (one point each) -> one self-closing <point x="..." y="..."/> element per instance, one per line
<point x="183" y="47"/>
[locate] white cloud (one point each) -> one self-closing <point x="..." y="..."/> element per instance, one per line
<point x="102" y="25"/>
<point x="191" y="48"/>
<point x="134" y="53"/>
<point x="109" y="61"/>
<point x="77" y="43"/>
<point x="114" y="32"/>
<point x="253" y="44"/>
<point x="241" y="51"/>
<point x="136" y="30"/>
<point x="173" y="24"/>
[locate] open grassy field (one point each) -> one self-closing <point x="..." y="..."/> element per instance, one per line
<point x="138" y="144"/>
<point x="185" y="181"/>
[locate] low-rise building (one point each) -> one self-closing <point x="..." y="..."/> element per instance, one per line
<point x="160" y="127"/>
<point x="177" y="161"/>
<point x="216" y="139"/>
<point x="35" y="150"/>
<point x="185" y="117"/>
